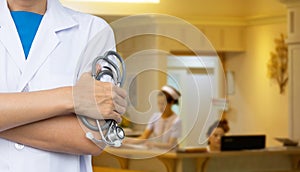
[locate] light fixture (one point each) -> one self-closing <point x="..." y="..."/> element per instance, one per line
<point x="120" y="1"/>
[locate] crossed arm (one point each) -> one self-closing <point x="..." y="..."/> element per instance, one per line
<point x="59" y="134"/>
<point x="46" y="119"/>
<point x="43" y="120"/>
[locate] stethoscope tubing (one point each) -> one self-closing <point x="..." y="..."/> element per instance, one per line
<point x="119" y="81"/>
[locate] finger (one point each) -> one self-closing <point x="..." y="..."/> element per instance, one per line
<point x="120" y="109"/>
<point x="119" y="100"/>
<point x="120" y="91"/>
<point x="116" y="116"/>
<point x="110" y="113"/>
<point x="98" y="68"/>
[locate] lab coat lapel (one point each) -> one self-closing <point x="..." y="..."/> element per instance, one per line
<point x="9" y="36"/>
<point x="46" y="39"/>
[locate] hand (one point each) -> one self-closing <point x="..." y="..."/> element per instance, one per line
<point x="98" y="100"/>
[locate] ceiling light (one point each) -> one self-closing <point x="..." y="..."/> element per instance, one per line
<point x="120" y="1"/>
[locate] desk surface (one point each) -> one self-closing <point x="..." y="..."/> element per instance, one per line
<point x="130" y="153"/>
<point x="270" y="159"/>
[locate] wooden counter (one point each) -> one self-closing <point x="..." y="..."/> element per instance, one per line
<point x="276" y="159"/>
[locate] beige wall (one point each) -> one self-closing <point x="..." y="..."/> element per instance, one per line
<point x="257" y="106"/>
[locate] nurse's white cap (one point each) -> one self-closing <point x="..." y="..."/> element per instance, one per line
<point x="170" y="90"/>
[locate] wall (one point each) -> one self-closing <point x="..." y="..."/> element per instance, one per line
<point x="257" y="107"/>
<point x="188" y="9"/>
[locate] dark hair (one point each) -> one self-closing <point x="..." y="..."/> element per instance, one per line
<point x="169" y="98"/>
<point x="218" y="124"/>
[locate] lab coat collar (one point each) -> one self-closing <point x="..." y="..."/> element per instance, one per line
<point x="56" y="19"/>
<point x="58" y="16"/>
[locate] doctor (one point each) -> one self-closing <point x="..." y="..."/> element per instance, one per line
<point x="40" y="45"/>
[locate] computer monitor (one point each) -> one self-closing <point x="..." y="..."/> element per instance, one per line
<point x="242" y="142"/>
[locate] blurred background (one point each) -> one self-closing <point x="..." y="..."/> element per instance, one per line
<point x="240" y="38"/>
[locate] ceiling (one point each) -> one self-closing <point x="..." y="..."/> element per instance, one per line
<point x="187" y="9"/>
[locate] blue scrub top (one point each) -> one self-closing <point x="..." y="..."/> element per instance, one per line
<point x="27" y="24"/>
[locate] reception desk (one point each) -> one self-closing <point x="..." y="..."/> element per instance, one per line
<point x="276" y="159"/>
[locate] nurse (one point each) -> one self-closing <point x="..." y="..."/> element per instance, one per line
<point x="164" y="127"/>
<point x="40" y="45"/>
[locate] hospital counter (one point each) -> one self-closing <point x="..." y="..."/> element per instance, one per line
<point x="279" y="159"/>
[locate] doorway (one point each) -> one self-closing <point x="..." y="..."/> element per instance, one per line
<point x="200" y="81"/>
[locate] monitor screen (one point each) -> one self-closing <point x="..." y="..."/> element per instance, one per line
<point x="242" y="142"/>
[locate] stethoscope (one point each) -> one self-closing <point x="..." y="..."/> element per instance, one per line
<point x="114" y="134"/>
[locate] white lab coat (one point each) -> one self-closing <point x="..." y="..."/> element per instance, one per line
<point x="51" y="63"/>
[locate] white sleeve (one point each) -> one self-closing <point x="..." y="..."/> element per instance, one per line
<point x="101" y="40"/>
<point x="176" y="129"/>
<point x="152" y="121"/>
<point x="86" y="163"/>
